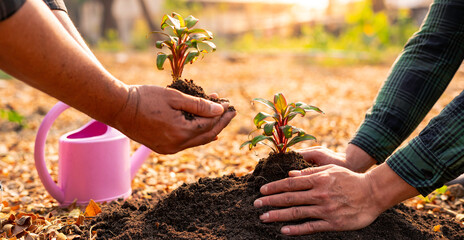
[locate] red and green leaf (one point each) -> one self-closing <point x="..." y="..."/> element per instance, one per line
<point x="299" y="138"/>
<point x="280" y="103"/>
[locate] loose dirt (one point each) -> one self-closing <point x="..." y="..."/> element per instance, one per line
<point x="190" y="88"/>
<point x="222" y="208"/>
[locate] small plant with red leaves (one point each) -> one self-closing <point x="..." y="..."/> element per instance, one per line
<point x="185" y="43"/>
<point x="277" y="131"/>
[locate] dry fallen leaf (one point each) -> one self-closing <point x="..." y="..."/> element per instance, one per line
<point x="92" y="209"/>
<point x="437" y="228"/>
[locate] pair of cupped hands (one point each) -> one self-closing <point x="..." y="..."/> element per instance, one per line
<point x="333" y="196"/>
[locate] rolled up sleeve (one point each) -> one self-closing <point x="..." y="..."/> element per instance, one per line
<point x="9" y="7"/>
<point x="418" y="78"/>
<point x="56" y="5"/>
<point x="436" y="155"/>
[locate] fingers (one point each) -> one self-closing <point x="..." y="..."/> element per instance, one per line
<point x="308" y="171"/>
<point x="210" y="135"/>
<point x="307" y="228"/>
<point x="198" y="106"/>
<point x="287" y="185"/>
<point x="291" y="214"/>
<point x="312" y="154"/>
<point x="286" y="199"/>
<point x="298" y="180"/>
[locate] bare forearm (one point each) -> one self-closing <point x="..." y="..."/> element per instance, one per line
<point x="39" y="51"/>
<point x="388" y="188"/>
<point x="71" y="29"/>
<point x="357" y="159"/>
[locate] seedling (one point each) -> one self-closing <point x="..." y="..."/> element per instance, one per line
<point x="278" y="132"/>
<point x="185" y="43"/>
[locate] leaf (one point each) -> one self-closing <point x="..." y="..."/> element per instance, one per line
<point x="206" y="46"/>
<point x="207" y="34"/>
<point x="180" y="18"/>
<point x="299" y="131"/>
<point x="298" y="110"/>
<point x="308" y="108"/>
<point x="269" y="128"/>
<point x="280" y="103"/>
<point x="164" y="23"/>
<point x="259" y="138"/>
<point x="245" y="143"/>
<point x="287" y="130"/>
<point x="199" y="37"/>
<point x="265" y="102"/>
<point x="298" y="139"/>
<point x="160" y="44"/>
<point x="180" y="31"/>
<point x="160" y="59"/>
<point x="174" y="23"/>
<point x="92" y="209"/>
<point x="191" y="57"/>
<point x="259" y="119"/>
<point x="190" y="21"/>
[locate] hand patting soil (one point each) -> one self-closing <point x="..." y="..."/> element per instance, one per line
<point x="222" y="208"/>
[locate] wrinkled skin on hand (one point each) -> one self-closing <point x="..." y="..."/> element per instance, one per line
<point x="354" y="159"/>
<point x="152" y="117"/>
<point x="335" y="198"/>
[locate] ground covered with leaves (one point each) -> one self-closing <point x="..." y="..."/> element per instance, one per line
<point x="343" y="92"/>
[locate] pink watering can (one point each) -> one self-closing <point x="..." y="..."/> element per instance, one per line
<point x="94" y="162"/>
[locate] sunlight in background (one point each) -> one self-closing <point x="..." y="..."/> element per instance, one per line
<point x="314" y="4"/>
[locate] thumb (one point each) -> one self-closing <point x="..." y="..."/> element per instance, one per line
<point x="197" y="106"/>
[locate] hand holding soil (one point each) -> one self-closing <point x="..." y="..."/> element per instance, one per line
<point x="152" y="117"/>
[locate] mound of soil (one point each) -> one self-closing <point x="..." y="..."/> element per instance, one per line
<point x="189" y="87"/>
<point x="222" y="208"/>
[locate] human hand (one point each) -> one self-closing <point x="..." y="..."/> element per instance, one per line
<point x="152" y="117"/>
<point x="354" y="159"/>
<point x="323" y="156"/>
<point x="335" y="198"/>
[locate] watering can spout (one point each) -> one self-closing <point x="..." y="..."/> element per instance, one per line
<point x="138" y="158"/>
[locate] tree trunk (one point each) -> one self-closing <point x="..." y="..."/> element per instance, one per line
<point x="108" y="20"/>
<point x="147" y="16"/>
<point x="149" y="20"/>
<point x="378" y="5"/>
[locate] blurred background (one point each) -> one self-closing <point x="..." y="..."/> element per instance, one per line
<point x="333" y="30"/>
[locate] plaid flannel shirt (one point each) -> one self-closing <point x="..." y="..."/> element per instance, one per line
<point x="418" y="78"/>
<point x="9" y="7"/>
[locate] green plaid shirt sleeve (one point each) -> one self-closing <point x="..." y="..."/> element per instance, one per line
<point x="418" y="78"/>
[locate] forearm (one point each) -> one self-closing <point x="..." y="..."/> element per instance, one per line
<point x="71" y="29"/>
<point x="418" y="78"/>
<point x="388" y="189"/>
<point x="357" y="159"/>
<point x="39" y="51"/>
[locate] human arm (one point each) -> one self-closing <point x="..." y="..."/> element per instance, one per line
<point x="417" y="79"/>
<point x="336" y="198"/>
<point x="59" y="10"/>
<point x="40" y="52"/>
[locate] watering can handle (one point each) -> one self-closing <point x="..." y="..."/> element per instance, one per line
<point x="39" y="151"/>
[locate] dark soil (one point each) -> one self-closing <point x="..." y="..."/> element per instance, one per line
<point x="189" y="87"/>
<point x="222" y="208"/>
